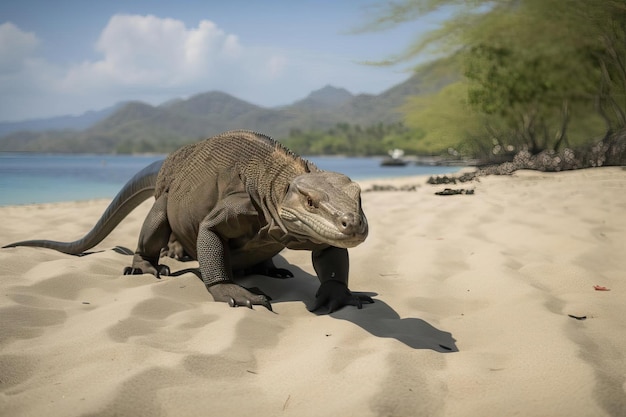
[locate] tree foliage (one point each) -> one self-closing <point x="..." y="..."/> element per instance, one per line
<point x="445" y="118"/>
<point x="534" y="75"/>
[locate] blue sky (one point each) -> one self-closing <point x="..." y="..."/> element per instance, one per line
<point x="70" y="56"/>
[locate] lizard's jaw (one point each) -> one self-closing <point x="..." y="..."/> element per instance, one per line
<point x="341" y="233"/>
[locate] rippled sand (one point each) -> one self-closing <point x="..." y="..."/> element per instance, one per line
<point x="472" y="316"/>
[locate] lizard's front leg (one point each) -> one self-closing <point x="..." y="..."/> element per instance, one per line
<point x="332" y="265"/>
<point x="216" y="271"/>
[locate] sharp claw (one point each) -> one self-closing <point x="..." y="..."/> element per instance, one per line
<point x="334" y="296"/>
<point x="366" y="299"/>
<point x="334" y="305"/>
<point x="249" y="304"/>
<point x="162" y="270"/>
<point x="318" y="303"/>
<point x="268" y="305"/>
<point x="232" y="302"/>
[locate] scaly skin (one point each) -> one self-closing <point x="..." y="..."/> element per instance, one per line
<point x="233" y="202"/>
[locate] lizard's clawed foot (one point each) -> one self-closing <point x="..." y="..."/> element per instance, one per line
<point x="335" y="295"/>
<point x="236" y="295"/>
<point x="147" y="268"/>
<point x="174" y="250"/>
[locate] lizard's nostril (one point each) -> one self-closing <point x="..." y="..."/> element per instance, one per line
<point x="349" y="224"/>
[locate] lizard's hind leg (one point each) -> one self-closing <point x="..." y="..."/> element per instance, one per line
<point x="154" y="236"/>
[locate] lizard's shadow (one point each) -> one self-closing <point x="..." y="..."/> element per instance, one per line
<point x="379" y="319"/>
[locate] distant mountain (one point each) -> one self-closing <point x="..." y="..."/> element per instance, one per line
<point x="136" y="126"/>
<point x="211" y="103"/>
<point x="79" y="122"/>
<point x="328" y="97"/>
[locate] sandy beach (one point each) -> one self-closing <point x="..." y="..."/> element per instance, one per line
<point x="474" y="298"/>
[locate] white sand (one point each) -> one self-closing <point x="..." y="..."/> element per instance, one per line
<point x="471" y="318"/>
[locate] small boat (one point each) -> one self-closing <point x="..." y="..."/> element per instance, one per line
<point x="395" y="159"/>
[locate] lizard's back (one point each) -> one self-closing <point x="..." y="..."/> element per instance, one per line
<point x="199" y="177"/>
<point x="213" y="157"/>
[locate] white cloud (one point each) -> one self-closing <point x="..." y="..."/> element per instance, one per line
<point x="150" y="51"/>
<point x="141" y="58"/>
<point x="275" y="66"/>
<point x="16" y="47"/>
<point x="26" y="81"/>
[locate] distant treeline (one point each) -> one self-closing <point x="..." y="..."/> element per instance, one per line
<point x="347" y="139"/>
<point x="341" y="139"/>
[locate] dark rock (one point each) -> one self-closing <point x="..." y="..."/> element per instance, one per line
<point x="386" y="187"/>
<point x="450" y="191"/>
<point x="466" y="177"/>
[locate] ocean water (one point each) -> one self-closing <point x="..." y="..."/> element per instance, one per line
<point x="27" y="178"/>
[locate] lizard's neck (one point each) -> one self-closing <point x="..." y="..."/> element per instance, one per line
<point x="266" y="180"/>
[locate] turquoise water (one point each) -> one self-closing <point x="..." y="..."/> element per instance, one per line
<point x="43" y="178"/>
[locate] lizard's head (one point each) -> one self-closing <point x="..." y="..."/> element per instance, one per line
<point x="324" y="207"/>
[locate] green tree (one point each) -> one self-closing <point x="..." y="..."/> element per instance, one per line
<point x="537" y="74"/>
<point x="447" y="121"/>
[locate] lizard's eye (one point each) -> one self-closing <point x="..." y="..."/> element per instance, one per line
<point x="309" y="201"/>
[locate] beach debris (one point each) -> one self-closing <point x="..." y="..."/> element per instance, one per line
<point x="437" y="180"/>
<point x="600" y="288"/>
<point x="577" y="317"/>
<point x="451" y="191"/>
<point x="388" y="187"/>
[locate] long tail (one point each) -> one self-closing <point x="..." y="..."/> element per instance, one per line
<point x="138" y="189"/>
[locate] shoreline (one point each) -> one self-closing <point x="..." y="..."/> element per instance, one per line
<point x="478" y="310"/>
<point x="41" y="179"/>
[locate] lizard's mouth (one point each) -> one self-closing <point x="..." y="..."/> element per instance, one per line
<point x="320" y="230"/>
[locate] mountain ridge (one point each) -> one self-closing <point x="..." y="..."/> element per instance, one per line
<point x="76" y="122"/>
<point x="136" y="126"/>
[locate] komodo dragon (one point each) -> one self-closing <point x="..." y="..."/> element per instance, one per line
<point x="233" y="202"/>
